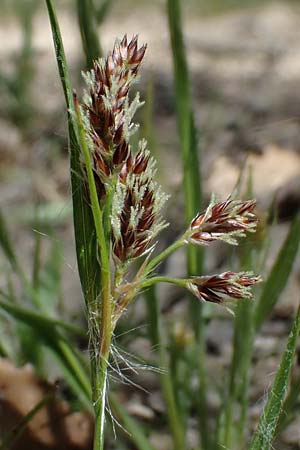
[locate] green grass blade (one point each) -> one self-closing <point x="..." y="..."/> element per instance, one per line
<point x="266" y="428"/>
<point x="36" y="260"/>
<point x="136" y="435"/>
<point x="47" y="280"/>
<point x="6" y="244"/>
<point x="102" y="9"/>
<point x="158" y="341"/>
<point x="88" y="29"/>
<point x="279" y="275"/>
<point x="230" y="430"/>
<point x="192" y="192"/>
<point x="291" y="404"/>
<point x="37" y="320"/>
<point x="186" y="128"/>
<point x="3" y="351"/>
<point x="174" y="415"/>
<point x="88" y="266"/>
<point x="47" y="334"/>
<point x="71" y="363"/>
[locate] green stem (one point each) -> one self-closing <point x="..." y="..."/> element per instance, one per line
<point x="134" y="289"/>
<point x="97" y="212"/>
<point x="238" y="391"/>
<point x="104" y="309"/>
<point x="158" y="341"/>
<point x="99" y="401"/>
<point x="163" y="255"/>
<point x="88" y="30"/>
<point x="192" y="194"/>
<point x="72" y="361"/>
<point x="38" y="318"/>
<point x="163" y="279"/>
<point x="134" y="430"/>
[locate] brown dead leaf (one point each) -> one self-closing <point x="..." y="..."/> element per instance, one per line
<point x="54" y="427"/>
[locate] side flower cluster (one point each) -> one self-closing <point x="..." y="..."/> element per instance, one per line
<point x="218" y="288"/>
<point x="224" y="221"/>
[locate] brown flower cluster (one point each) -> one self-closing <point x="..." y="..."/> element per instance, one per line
<point x="225" y="221"/>
<point x="218" y="288"/>
<point x="108" y="109"/>
<point x="137" y="198"/>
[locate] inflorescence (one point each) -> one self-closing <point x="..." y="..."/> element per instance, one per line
<point x="127" y="190"/>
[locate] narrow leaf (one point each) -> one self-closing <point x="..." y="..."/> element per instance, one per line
<point x="136" y="434"/>
<point x="47" y="334"/>
<point x="88" y="266"/>
<point x="291" y="404"/>
<point x="279" y="275"/>
<point x="192" y="192"/>
<point x="6" y="244"/>
<point x="36" y="320"/>
<point x="266" y="428"/>
<point x="88" y="29"/>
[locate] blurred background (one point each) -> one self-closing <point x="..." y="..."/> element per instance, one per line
<point x="244" y="62"/>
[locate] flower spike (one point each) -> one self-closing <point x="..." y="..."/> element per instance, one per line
<point x="219" y="288"/>
<point x="224" y="221"/>
<point x="107" y="108"/>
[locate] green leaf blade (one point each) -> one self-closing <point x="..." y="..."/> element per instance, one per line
<point x="6" y="244"/>
<point x="279" y="275"/>
<point x="88" y="265"/>
<point x="266" y="429"/>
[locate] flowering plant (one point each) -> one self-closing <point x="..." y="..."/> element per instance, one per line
<point x="126" y="202"/>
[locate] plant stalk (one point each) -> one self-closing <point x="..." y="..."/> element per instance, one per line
<point x="158" y="341"/>
<point x="192" y="193"/>
<point x="103" y="306"/>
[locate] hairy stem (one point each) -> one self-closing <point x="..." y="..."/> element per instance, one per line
<point x="102" y="306"/>
<point x="99" y="402"/>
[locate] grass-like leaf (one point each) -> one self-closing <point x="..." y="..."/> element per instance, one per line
<point x="231" y="431"/>
<point x="6" y="244"/>
<point x="136" y="434"/>
<point x="291" y="404"/>
<point x="192" y="191"/>
<point x="167" y="385"/>
<point x="47" y="333"/>
<point x="83" y="221"/>
<point x="101" y="9"/>
<point x="88" y="29"/>
<point x="266" y="428"/>
<point x="36" y="319"/>
<point x="279" y="275"/>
